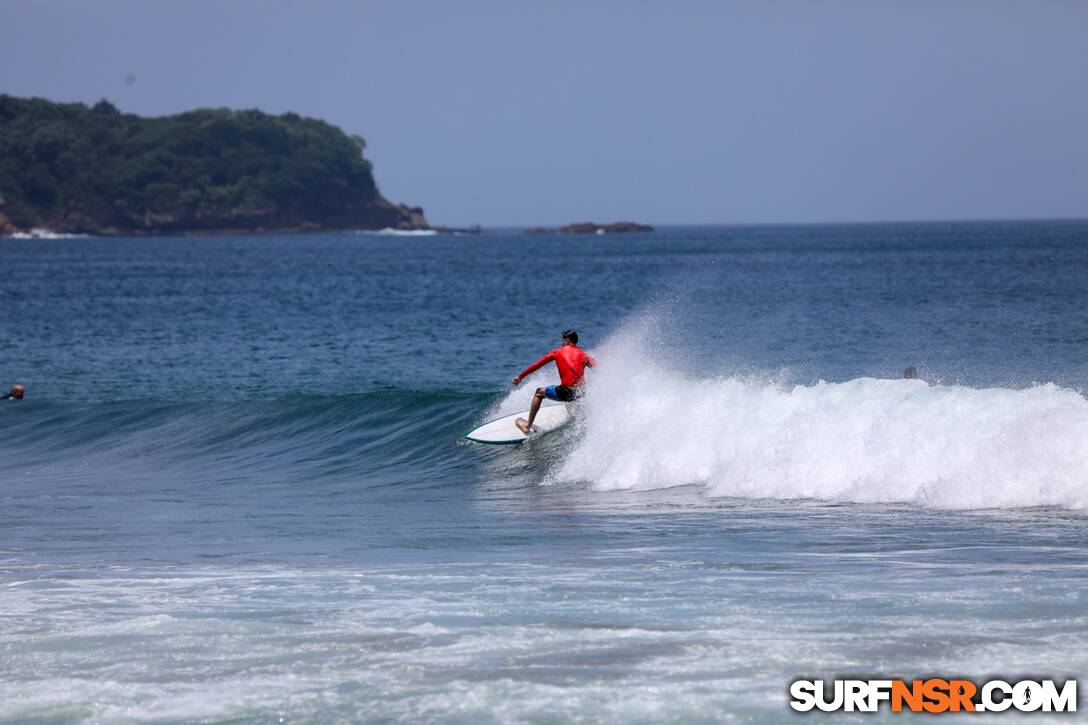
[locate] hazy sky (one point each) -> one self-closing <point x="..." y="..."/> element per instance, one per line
<point x="507" y="113"/>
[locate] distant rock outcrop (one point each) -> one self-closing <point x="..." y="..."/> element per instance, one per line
<point x="411" y="217"/>
<point x="593" y="228"/>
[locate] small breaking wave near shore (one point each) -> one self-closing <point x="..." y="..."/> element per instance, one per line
<point x="645" y="426"/>
<point x="42" y="233"/>
<point x="391" y="232"/>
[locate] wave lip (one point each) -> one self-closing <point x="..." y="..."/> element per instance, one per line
<point x="866" y="440"/>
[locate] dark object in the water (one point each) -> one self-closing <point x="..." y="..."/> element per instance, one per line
<point x="593" y="228"/>
<point x="16" y="393"/>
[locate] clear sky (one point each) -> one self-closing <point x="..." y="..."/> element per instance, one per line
<point x="510" y="113"/>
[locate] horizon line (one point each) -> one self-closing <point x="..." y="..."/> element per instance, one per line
<point x="855" y="222"/>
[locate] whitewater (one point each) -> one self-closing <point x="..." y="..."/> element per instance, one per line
<point x="863" y="440"/>
<point x="238" y="489"/>
<point x="645" y="423"/>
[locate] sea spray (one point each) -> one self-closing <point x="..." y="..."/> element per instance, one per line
<point x="643" y="425"/>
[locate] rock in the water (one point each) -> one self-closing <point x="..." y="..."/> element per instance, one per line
<point x="592" y="228"/>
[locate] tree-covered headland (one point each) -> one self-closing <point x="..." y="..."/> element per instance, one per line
<point x="72" y="168"/>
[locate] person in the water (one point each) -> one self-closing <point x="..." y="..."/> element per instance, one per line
<point x="572" y="362"/>
<point x="16" y="393"/>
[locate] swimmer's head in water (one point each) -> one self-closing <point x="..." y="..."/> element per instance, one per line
<point x="17" y="391"/>
<point x="910" y="373"/>
<point x="570" y="336"/>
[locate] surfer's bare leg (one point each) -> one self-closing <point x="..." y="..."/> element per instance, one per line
<point x="527" y="425"/>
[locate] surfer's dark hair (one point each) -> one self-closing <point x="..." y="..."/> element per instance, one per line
<point x="570" y="336"/>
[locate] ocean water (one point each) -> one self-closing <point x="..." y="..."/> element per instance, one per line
<point x="237" y="490"/>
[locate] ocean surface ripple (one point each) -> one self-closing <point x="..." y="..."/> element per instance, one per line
<point x="238" y="489"/>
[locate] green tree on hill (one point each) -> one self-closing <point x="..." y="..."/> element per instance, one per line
<point x="74" y="168"/>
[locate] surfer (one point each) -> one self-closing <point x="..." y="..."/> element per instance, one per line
<point x="16" y="393"/>
<point x="572" y="362"/>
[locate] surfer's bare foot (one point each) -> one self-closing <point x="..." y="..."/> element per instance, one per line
<point x="523" y="425"/>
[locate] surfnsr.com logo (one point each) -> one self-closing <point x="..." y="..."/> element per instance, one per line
<point x="933" y="695"/>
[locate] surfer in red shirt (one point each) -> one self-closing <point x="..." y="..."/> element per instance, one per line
<point x="572" y="362"/>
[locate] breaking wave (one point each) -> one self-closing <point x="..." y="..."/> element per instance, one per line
<point x="644" y="425"/>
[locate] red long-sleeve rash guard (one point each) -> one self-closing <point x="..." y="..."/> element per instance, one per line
<point x="571" y="361"/>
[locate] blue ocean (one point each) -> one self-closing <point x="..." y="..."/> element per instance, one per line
<point x="238" y="490"/>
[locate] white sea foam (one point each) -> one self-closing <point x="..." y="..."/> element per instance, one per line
<point x="41" y="233"/>
<point x="389" y="231"/>
<point x="645" y="425"/>
<point x="602" y="639"/>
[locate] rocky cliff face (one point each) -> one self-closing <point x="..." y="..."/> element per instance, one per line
<point x="7" y="228"/>
<point x="73" y="219"/>
<point x="412" y="218"/>
<point x="379" y="214"/>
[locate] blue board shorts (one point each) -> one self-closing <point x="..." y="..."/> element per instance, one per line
<point x="562" y="393"/>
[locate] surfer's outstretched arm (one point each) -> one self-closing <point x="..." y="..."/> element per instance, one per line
<point x="534" y="367"/>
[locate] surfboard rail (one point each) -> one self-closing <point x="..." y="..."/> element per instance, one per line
<point x="503" y="431"/>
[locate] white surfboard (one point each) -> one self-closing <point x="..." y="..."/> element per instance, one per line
<point x="503" y="431"/>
